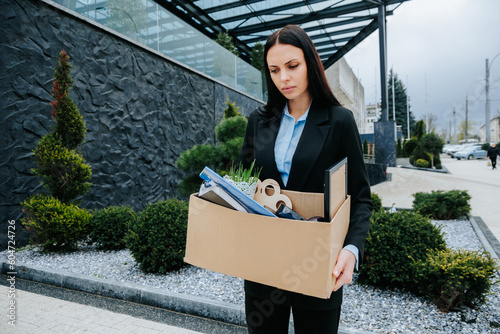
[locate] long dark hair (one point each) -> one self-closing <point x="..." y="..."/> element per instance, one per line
<point x="318" y="85"/>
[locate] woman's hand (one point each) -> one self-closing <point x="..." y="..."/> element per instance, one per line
<point x="344" y="268"/>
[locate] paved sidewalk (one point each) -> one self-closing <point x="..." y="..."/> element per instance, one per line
<point x="43" y="308"/>
<point x="481" y="182"/>
<point x="41" y="314"/>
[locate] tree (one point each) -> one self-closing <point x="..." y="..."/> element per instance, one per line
<point x="419" y="129"/>
<point x="257" y="61"/>
<point x="55" y="221"/>
<point x="257" y="56"/>
<point x="126" y="16"/>
<point x="61" y="167"/>
<point x="400" y="103"/>
<point x="433" y="144"/>
<point x="226" y="41"/>
<point x="470" y="127"/>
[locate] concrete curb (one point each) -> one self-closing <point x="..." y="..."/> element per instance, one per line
<point x="442" y="171"/>
<point x="487" y="239"/>
<point x="193" y="305"/>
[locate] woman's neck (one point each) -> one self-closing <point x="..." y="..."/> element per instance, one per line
<point x="298" y="107"/>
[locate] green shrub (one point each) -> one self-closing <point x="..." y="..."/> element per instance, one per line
<point x="365" y="146"/>
<point x="230" y="151"/>
<point x="197" y="157"/>
<point x="417" y="154"/>
<point x="409" y="146"/>
<point x="442" y="205"/>
<point x="377" y="202"/>
<point x="436" y="162"/>
<point x="56" y="226"/>
<point x="432" y="143"/>
<point x="422" y="163"/>
<point x="63" y="172"/>
<point x="109" y="226"/>
<point x="394" y="241"/>
<point x="189" y="185"/>
<point x="230" y="128"/>
<point x="157" y="239"/>
<point x="453" y="279"/>
<point x="229" y="134"/>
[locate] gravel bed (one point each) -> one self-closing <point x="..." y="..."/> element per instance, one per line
<point x="364" y="308"/>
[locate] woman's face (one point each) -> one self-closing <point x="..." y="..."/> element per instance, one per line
<point x="288" y="70"/>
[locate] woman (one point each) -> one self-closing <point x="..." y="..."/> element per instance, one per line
<point x="300" y="133"/>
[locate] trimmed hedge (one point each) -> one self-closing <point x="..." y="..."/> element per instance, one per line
<point x="109" y="226"/>
<point x="453" y="279"/>
<point x="394" y="242"/>
<point x="56" y="226"/>
<point x="442" y="205"/>
<point x="157" y="239"/>
<point x="376" y="202"/>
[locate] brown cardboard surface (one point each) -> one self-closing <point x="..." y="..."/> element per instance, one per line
<point x="292" y="255"/>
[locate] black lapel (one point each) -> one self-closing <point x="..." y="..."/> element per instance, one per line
<point x="309" y="147"/>
<point x="265" y="151"/>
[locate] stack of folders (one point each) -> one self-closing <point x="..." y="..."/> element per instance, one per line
<point x="217" y="190"/>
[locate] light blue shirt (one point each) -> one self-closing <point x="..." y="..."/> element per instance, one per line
<point x="286" y="143"/>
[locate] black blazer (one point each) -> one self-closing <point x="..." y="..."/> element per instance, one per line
<point x="330" y="134"/>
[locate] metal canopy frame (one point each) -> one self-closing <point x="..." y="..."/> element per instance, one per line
<point x="335" y="26"/>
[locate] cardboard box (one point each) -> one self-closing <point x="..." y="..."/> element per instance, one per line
<point x="292" y="255"/>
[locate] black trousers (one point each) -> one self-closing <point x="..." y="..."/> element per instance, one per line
<point x="493" y="163"/>
<point x="265" y="316"/>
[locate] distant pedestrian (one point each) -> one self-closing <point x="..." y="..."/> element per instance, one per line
<point x="492" y="155"/>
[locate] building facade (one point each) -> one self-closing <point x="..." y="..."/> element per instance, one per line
<point x="348" y="90"/>
<point x="373" y="112"/>
<point x="495" y="131"/>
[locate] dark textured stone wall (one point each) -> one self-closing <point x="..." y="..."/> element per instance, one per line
<point x="141" y="110"/>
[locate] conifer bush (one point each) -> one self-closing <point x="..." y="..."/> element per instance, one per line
<point x="455" y="278"/>
<point x="220" y="157"/>
<point x="422" y="163"/>
<point x="109" y="226"/>
<point x="394" y="242"/>
<point x="376" y="202"/>
<point x="441" y="205"/>
<point x="54" y="219"/>
<point x="157" y="238"/>
<point x="56" y="226"/>
<point x="60" y="166"/>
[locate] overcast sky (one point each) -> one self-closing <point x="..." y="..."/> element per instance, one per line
<point x="438" y="49"/>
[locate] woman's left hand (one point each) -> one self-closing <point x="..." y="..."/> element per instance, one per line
<point x="344" y="268"/>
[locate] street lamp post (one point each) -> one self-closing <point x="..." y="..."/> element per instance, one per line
<point x="487" y="89"/>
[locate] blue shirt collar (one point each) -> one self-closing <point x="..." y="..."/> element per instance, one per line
<point x="302" y="118"/>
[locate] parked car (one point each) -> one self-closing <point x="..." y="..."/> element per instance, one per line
<point x="472" y="152"/>
<point x="448" y="148"/>
<point x="463" y="147"/>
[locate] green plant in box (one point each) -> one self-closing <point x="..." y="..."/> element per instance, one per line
<point x="244" y="179"/>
